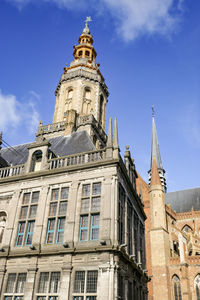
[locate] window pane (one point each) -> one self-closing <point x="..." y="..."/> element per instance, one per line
<point x="91" y="298"/>
<point x="53" y="209"/>
<point x="95" y="220"/>
<point x="84" y="221"/>
<point x="78" y="298"/>
<point x="35" y="197"/>
<point x="85" y="205"/>
<point x="86" y="190"/>
<point x="21" y="280"/>
<point x="29" y="234"/>
<point x="79" y="282"/>
<point x="92" y="281"/>
<point x="8" y="298"/>
<point x="62" y="208"/>
<point x="43" y="282"/>
<point x="54" y="282"/>
<point x="23" y="213"/>
<point x="96" y="188"/>
<point x="83" y="235"/>
<point x="64" y="193"/>
<point x="10" y="283"/>
<point x="54" y="194"/>
<point x="50" y="231"/>
<point x="20" y="233"/>
<point x="60" y="230"/>
<point x="26" y="198"/>
<point x="33" y="210"/>
<point x="96" y="203"/>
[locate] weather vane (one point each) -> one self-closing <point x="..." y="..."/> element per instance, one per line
<point x="153" y="111"/>
<point x="88" y="19"/>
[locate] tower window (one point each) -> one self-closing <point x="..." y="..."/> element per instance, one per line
<point x="80" y="53"/>
<point x="70" y="94"/>
<point x="177" y="288"/>
<point x="36" y="161"/>
<point x="87" y="93"/>
<point x="101" y="110"/>
<point x="87" y="53"/>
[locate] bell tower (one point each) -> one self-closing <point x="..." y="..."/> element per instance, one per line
<point x="82" y="91"/>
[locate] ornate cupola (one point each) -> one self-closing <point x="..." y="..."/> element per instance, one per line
<point x="85" y="50"/>
<point x="81" y="95"/>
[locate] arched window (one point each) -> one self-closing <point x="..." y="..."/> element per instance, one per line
<point x="36" y="161"/>
<point x="87" y="93"/>
<point x="70" y="94"/>
<point x="177" y="288"/>
<point x="80" y="53"/>
<point x="186" y="229"/>
<point x="87" y="53"/>
<point x="197" y="286"/>
<point x="3" y="216"/>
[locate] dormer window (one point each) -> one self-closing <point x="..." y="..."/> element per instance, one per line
<point x="70" y="94"/>
<point x="87" y="94"/>
<point x="36" y="161"/>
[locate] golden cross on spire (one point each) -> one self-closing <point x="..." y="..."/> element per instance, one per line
<point x="88" y="19"/>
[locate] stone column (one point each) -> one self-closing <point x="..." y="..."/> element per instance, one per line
<point x="2" y="273"/>
<point x="65" y="283"/>
<point x="103" y="286"/>
<point x="30" y="284"/>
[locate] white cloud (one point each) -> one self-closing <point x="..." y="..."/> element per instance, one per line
<point x="14" y="114"/>
<point x="132" y="17"/>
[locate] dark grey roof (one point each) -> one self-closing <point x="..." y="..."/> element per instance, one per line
<point x="3" y="163"/>
<point x="77" y="142"/>
<point x="183" y="201"/>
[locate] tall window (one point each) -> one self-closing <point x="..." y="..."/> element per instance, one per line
<point x="85" y="285"/>
<point x="90" y="212"/>
<point x="70" y="94"/>
<point x="87" y="93"/>
<point x="15" y="286"/>
<point x="136" y="225"/>
<point x="27" y="219"/>
<point x="48" y="287"/>
<point x="120" y="286"/>
<point x="197" y="286"/>
<point x="121" y="215"/>
<point x="101" y="110"/>
<point x="177" y="288"/>
<point x="129" y="228"/>
<point x="57" y="215"/>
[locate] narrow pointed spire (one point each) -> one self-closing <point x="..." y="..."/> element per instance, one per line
<point x="86" y="29"/>
<point x="155" y="177"/>
<point x="110" y="134"/>
<point x="155" y="154"/>
<point x="115" y="142"/>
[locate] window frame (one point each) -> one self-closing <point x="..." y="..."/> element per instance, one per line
<point x="56" y="215"/>
<point x="47" y="294"/>
<point x="90" y="212"/>
<point x="27" y="219"/>
<point x="84" y="294"/>
<point x="14" y="293"/>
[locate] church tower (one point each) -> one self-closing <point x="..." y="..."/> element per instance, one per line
<point x="81" y="94"/>
<point x="155" y="153"/>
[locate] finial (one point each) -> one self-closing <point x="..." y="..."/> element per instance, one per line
<point x="153" y="111"/>
<point x="86" y="29"/>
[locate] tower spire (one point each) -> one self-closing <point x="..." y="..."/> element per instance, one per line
<point x="155" y="153"/>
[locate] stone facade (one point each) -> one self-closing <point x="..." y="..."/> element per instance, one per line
<point x="71" y="221"/>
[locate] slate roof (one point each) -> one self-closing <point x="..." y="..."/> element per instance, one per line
<point x="77" y="142"/>
<point x="183" y="201"/>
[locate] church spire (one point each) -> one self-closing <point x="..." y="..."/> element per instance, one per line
<point x="155" y="154"/>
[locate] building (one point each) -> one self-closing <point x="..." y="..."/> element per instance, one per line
<point x="71" y="221"/>
<point x="172" y="232"/>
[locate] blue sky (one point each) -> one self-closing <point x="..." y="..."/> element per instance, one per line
<point x="149" y="54"/>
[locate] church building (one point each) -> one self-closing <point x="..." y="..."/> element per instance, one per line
<point x="72" y="225"/>
<point x="172" y="233"/>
